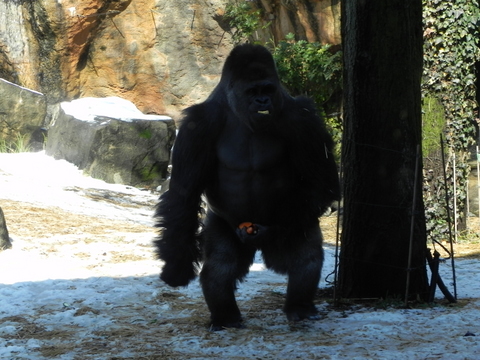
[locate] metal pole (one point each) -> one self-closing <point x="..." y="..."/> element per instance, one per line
<point x="337" y="247"/>
<point x="455" y="213"/>
<point x="412" y="223"/>
<point x="478" y="181"/>
<point x="449" y="219"/>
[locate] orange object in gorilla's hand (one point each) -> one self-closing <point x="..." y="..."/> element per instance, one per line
<point x="251" y="229"/>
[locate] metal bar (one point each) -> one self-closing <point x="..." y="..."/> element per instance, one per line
<point x="412" y="224"/>
<point x="449" y="219"/>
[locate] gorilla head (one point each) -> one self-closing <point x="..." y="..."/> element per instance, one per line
<point x="251" y="85"/>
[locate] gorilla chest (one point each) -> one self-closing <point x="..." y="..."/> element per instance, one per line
<point x="252" y="177"/>
<point x="250" y="152"/>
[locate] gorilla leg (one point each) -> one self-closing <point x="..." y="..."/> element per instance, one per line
<point x="301" y="258"/>
<point x="226" y="261"/>
<point x="302" y="286"/>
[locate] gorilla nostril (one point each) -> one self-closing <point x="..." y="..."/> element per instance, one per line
<point x="265" y="100"/>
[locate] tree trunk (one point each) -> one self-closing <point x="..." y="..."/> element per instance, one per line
<point x="382" y="72"/>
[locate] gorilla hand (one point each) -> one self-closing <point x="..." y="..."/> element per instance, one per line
<point x="250" y="233"/>
<point x="178" y="273"/>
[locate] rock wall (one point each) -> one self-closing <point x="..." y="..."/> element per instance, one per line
<point x="22" y="114"/>
<point x="162" y="55"/>
<point x="312" y="20"/>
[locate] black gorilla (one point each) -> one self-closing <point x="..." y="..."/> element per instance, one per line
<point x="264" y="162"/>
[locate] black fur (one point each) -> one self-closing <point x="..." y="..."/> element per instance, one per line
<point x="259" y="156"/>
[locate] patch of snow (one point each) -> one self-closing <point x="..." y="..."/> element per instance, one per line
<point x="40" y="179"/>
<point x="113" y="107"/>
<point x="88" y="307"/>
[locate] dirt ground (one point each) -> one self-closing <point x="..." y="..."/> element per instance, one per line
<point x="41" y="224"/>
<point x="36" y="222"/>
<point x="468" y="246"/>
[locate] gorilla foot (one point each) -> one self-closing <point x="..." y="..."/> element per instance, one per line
<point x="226" y="319"/>
<point x="216" y="326"/>
<point x="301" y="312"/>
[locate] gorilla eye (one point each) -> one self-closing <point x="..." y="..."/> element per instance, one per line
<point x="261" y="89"/>
<point x="269" y="89"/>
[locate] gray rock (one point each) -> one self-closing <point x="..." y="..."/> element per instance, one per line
<point x="4" y="238"/>
<point x="22" y="112"/>
<point x="113" y="141"/>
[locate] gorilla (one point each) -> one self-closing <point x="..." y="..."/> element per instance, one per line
<point x="263" y="161"/>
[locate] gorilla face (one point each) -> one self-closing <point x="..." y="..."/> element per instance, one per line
<point x="250" y="82"/>
<point x="256" y="103"/>
<point x="260" y="98"/>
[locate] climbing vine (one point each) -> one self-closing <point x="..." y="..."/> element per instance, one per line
<point x="309" y="68"/>
<point x="312" y="69"/>
<point x="243" y="19"/>
<point x="451" y="39"/>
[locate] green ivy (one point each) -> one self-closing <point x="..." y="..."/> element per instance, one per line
<point x="311" y="69"/>
<point x="451" y="38"/>
<point x="243" y="19"/>
<point x="433" y="124"/>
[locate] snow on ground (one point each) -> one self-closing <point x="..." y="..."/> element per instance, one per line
<point x="112" y="107"/>
<point x="81" y="283"/>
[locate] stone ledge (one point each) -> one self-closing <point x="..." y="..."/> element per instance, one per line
<point x="132" y="149"/>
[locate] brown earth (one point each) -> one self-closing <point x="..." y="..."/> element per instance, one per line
<point x="37" y="222"/>
<point x="467" y="246"/>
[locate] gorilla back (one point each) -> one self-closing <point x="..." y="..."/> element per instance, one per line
<point x="264" y="161"/>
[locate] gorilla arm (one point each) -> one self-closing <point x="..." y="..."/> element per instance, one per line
<point x="312" y="160"/>
<point x="193" y="160"/>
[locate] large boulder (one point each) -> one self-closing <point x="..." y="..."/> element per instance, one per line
<point x="22" y="112"/>
<point x="112" y="140"/>
<point x="4" y="238"/>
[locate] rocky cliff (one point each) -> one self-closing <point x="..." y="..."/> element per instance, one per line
<point x="162" y="55"/>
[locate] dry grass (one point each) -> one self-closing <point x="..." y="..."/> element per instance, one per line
<point x="37" y="222"/>
<point x="467" y="246"/>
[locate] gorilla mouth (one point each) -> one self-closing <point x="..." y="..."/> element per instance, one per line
<point x="264" y="112"/>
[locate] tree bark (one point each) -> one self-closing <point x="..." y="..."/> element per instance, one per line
<point x="382" y="72"/>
